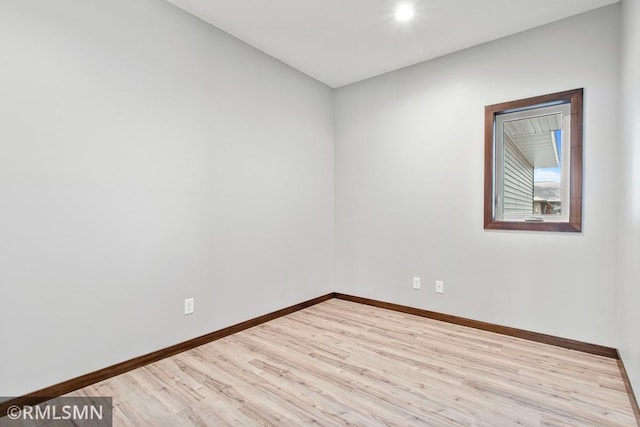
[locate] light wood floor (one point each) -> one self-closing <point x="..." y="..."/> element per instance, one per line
<point x="340" y="363"/>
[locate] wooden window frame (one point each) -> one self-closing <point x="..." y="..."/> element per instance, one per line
<point x="574" y="223"/>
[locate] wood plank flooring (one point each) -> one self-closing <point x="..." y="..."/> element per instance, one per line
<point x="341" y="363"/>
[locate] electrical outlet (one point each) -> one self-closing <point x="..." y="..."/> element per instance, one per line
<point x="188" y="306"/>
<point x="439" y="287"/>
<point x="416" y="283"/>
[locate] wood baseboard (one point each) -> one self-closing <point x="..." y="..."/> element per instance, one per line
<point x="627" y="384"/>
<point x="504" y="330"/>
<point x="120" y="368"/>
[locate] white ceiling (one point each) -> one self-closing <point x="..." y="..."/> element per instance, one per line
<point x="343" y="41"/>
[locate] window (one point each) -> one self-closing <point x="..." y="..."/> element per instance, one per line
<point x="533" y="163"/>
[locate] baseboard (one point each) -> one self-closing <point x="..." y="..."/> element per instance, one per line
<point x="120" y="368"/>
<point x="504" y="330"/>
<point x="627" y="384"/>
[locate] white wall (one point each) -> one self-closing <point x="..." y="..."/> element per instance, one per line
<point x="146" y="157"/>
<point x="409" y="177"/>
<point x="629" y="227"/>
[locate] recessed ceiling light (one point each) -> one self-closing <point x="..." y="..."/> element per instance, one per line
<point x="404" y="12"/>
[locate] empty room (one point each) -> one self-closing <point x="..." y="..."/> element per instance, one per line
<point x="328" y="212"/>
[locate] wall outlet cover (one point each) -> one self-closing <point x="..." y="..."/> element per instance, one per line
<point x="188" y="306"/>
